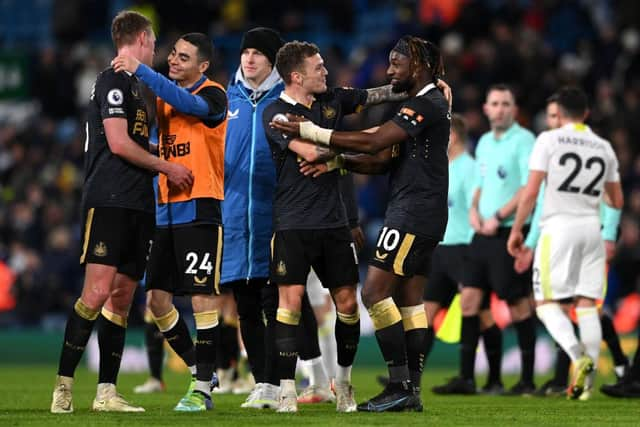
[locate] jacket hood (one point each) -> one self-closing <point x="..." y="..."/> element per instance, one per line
<point x="272" y="80"/>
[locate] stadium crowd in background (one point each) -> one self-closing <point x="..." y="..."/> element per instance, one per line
<point x="535" y="47"/>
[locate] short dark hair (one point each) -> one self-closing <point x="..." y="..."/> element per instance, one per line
<point x="291" y="58"/>
<point x="126" y="26"/>
<point x="502" y="87"/>
<point x="573" y="101"/>
<point x="552" y="99"/>
<point x="459" y="126"/>
<point x="204" y="46"/>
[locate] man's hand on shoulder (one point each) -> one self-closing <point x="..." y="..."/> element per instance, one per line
<point x="125" y="63"/>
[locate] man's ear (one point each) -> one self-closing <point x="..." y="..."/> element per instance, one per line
<point x="297" y="78"/>
<point x="142" y="38"/>
<point x="203" y="66"/>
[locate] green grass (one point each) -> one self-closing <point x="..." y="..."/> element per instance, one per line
<point x="25" y="396"/>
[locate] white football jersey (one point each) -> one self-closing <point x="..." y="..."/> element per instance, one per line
<point x="578" y="163"/>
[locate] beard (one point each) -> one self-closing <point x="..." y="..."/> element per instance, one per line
<point x="403" y="86"/>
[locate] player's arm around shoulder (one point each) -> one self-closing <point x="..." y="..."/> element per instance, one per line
<point x="217" y="106"/>
<point x="123" y="146"/>
<point x="311" y="152"/>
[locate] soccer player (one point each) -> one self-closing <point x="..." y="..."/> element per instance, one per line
<point x="310" y="222"/>
<point x="413" y="148"/>
<point x="578" y="168"/>
<point x="250" y="181"/>
<point x="117" y="204"/>
<point x="501" y="157"/>
<point x="319" y="361"/>
<point x="187" y="247"/>
<point x="610" y="217"/>
<point x="448" y="264"/>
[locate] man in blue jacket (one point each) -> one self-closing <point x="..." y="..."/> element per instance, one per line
<point x="247" y="210"/>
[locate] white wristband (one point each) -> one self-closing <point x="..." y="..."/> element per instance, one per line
<point x="315" y="133"/>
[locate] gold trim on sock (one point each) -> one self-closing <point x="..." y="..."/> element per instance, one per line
<point x="114" y="318"/>
<point x="384" y="313"/>
<point x="414" y="317"/>
<point x="288" y="317"/>
<point x="349" y="319"/>
<point x="167" y="321"/>
<point x="84" y="311"/>
<point x="148" y="316"/>
<point x="206" y="319"/>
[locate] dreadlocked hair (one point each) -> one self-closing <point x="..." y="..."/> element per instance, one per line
<point x="425" y="53"/>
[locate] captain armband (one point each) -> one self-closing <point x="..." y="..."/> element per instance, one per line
<point x="315" y="133"/>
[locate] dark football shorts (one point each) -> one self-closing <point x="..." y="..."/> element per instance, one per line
<point x="185" y="260"/>
<point x="330" y="252"/>
<point x="402" y="253"/>
<point x="491" y="267"/>
<point x="118" y="237"/>
<point x="449" y="265"/>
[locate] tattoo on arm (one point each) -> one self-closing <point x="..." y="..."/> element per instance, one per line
<point x="324" y="154"/>
<point x="382" y="94"/>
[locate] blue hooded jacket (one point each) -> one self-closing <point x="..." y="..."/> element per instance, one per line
<point x="249" y="181"/>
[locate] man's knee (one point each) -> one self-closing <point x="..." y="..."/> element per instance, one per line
<point x="345" y="299"/>
<point x="204" y="303"/>
<point x="486" y="319"/>
<point x="431" y="308"/>
<point x="290" y="297"/>
<point x="98" y="283"/>
<point x="159" y="303"/>
<point x="520" y="309"/>
<point x="470" y="300"/>
<point x="369" y="295"/>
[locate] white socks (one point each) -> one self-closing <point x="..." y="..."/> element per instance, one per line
<point x="343" y="374"/>
<point x="590" y="331"/>
<point x="560" y="328"/>
<point x="317" y="374"/>
<point x="328" y="346"/>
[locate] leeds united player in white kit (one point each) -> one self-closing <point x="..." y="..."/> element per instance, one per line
<point x="579" y="168"/>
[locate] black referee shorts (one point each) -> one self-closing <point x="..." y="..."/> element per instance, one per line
<point x="491" y="267"/>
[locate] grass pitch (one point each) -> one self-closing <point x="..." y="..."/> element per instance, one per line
<point x="25" y="396"/>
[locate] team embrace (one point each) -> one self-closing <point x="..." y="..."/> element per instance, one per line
<point x="250" y="198"/>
